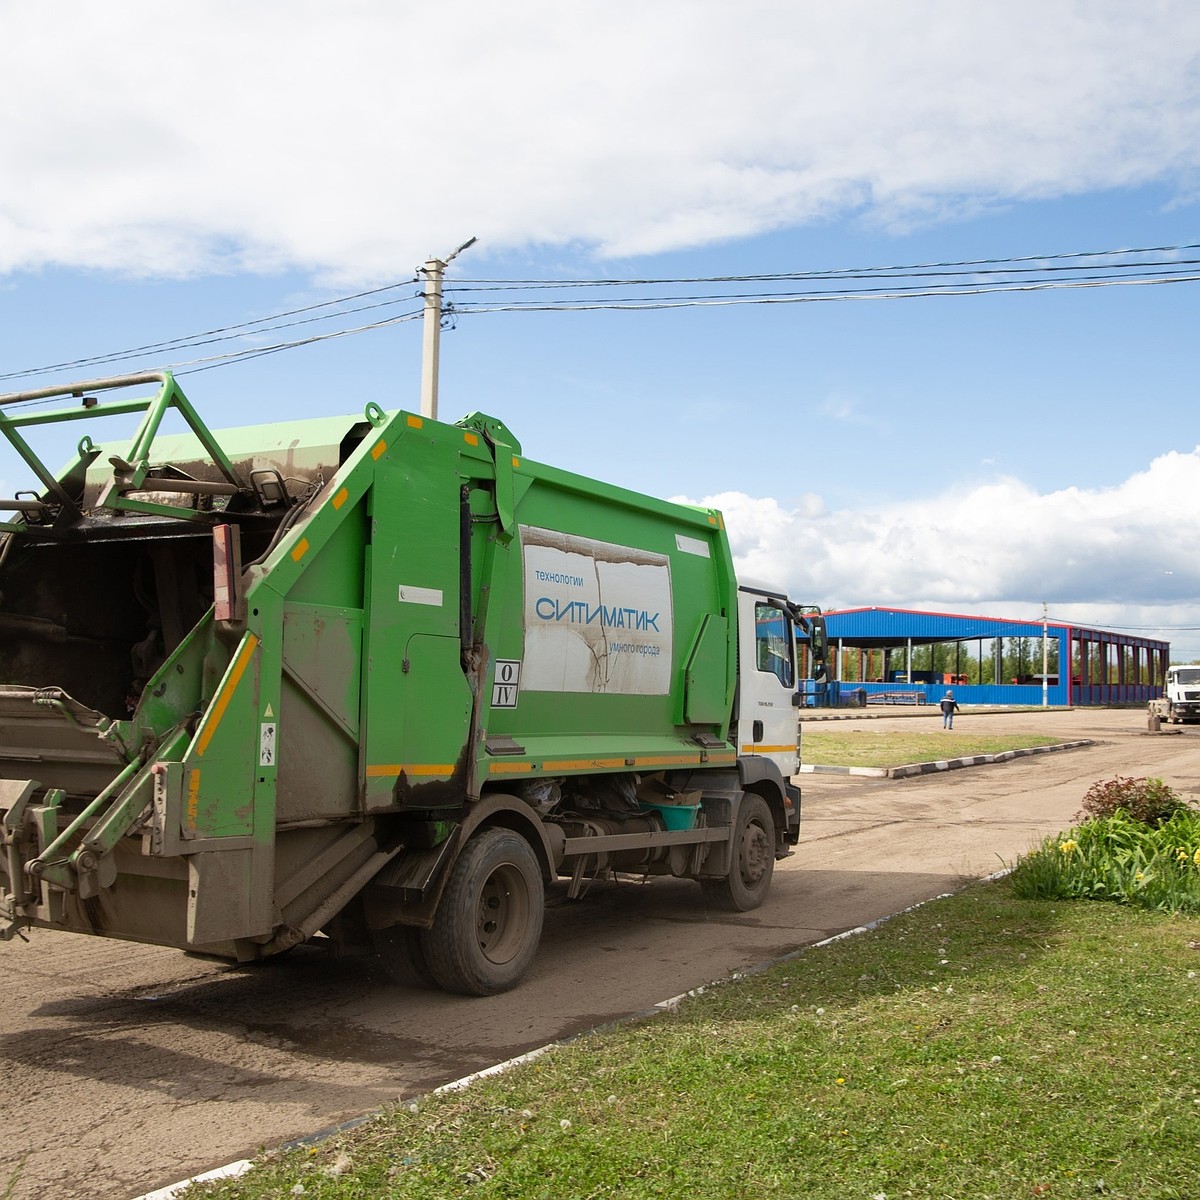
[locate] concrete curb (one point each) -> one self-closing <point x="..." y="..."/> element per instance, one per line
<point x="868" y="772"/>
<point x="242" y="1165"/>
<point x="943" y="764"/>
<point x="861" y="714"/>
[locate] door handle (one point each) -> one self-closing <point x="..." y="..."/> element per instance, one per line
<point x="757" y="732"/>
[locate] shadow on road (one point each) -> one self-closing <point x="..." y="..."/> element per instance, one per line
<point x="316" y="1006"/>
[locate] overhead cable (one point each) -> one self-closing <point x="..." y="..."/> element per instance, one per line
<point x="192" y="366"/>
<point x="717" y="301"/>
<point x="260" y="325"/>
<point x="944" y="279"/>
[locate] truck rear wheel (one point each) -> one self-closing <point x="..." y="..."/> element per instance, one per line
<point x="753" y="854"/>
<point x="402" y="956"/>
<point x="489" y="922"/>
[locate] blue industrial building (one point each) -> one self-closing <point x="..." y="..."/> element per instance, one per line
<point x="871" y="657"/>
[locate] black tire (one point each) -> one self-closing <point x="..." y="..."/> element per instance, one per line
<point x="402" y="956"/>
<point x="489" y="922"/>
<point x="753" y="859"/>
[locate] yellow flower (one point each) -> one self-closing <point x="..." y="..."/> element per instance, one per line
<point x="1181" y="855"/>
<point x="1067" y="847"/>
<point x="1196" y="858"/>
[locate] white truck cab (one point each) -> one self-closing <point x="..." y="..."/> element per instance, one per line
<point x="767" y="715"/>
<point x="1180" y="700"/>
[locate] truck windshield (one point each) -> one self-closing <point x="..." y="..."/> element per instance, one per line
<point x="1188" y="675"/>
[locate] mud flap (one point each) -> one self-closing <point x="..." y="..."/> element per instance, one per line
<point x="399" y="893"/>
<point x="220" y="896"/>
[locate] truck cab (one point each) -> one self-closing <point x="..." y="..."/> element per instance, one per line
<point x="766" y="716"/>
<point x="1180" y="700"/>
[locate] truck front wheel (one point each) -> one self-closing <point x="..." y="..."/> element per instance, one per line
<point x="489" y="922"/>
<point x="753" y="854"/>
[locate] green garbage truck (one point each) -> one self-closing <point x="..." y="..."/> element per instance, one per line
<point x="377" y="679"/>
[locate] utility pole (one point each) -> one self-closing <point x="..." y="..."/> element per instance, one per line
<point x="1046" y="659"/>
<point x="433" y="270"/>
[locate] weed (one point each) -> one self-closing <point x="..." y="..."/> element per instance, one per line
<point x="13" y="1180"/>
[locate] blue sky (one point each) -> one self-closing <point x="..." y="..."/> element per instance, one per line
<point x="190" y="170"/>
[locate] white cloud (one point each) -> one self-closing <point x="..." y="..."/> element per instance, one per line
<point x="1126" y="556"/>
<point x="354" y="139"/>
<point x="848" y="410"/>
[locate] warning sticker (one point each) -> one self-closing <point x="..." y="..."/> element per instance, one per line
<point x="266" y="744"/>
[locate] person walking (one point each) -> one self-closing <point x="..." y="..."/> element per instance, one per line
<point x="949" y="707"/>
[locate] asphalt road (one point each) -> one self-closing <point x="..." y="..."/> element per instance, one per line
<point x="128" y="1067"/>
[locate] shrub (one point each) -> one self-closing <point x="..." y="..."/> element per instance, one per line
<point x="1149" y="801"/>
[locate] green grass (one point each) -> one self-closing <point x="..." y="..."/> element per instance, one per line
<point x="979" y="1046"/>
<point x="863" y="747"/>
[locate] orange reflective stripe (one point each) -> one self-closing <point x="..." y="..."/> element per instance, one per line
<point x="240" y="663"/>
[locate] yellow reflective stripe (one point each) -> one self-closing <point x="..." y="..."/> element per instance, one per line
<point x="300" y="549"/>
<point x="632" y="763"/>
<point x="193" y="801"/>
<point x="342" y="496"/>
<point x="754" y="748"/>
<point x="379" y="450"/>
<point x="670" y="760"/>
<point x="393" y="770"/>
<point x="240" y="663"/>
<point x="582" y="764"/>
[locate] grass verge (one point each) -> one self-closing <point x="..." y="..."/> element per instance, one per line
<point x="864" y="748"/>
<point x="979" y="1046"/>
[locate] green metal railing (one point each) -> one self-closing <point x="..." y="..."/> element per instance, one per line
<point x="133" y="472"/>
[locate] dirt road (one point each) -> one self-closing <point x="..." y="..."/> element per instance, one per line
<point x="127" y="1067"/>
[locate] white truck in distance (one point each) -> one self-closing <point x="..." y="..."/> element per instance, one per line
<point x="1180" y="700"/>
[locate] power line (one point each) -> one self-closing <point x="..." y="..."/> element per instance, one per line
<point x="1174" y="628"/>
<point x="218" y="360"/>
<point x="843" y="272"/>
<point x="950" y="278"/>
<point x="944" y="279"/>
<point x="228" y="332"/>
<point x="634" y="304"/>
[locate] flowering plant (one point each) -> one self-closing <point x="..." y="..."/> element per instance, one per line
<point x="1119" y="858"/>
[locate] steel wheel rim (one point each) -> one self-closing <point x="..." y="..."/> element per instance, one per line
<point x="503" y="913"/>
<point x="753" y="852"/>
